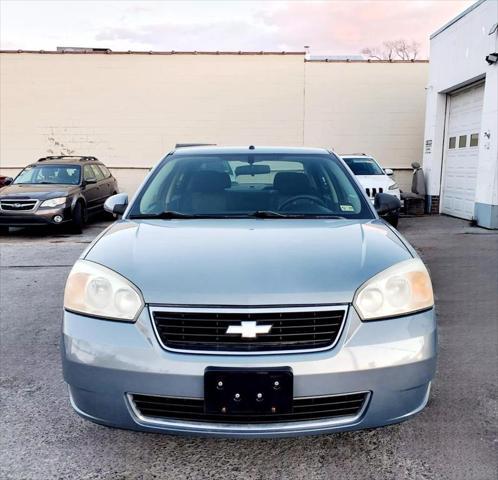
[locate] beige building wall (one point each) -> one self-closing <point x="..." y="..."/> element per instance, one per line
<point x="372" y="107"/>
<point x="129" y="110"/>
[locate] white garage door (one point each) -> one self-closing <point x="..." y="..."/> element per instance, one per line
<point x="462" y="147"/>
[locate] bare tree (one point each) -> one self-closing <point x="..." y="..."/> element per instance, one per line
<point x="393" y="49"/>
<point x="405" y="50"/>
<point x="373" y="52"/>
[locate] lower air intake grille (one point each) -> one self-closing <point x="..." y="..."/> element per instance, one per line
<point x="306" y="408"/>
<point x="277" y="330"/>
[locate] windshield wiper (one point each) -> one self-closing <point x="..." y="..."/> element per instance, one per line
<point x="324" y="215"/>
<point x="272" y="214"/>
<point x="170" y="215"/>
<point x="267" y="214"/>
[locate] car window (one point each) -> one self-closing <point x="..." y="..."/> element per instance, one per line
<point x="364" y="166"/>
<point x="88" y="172"/>
<point x="105" y="171"/>
<point x="50" y="174"/>
<point x="239" y="184"/>
<point x="98" y="173"/>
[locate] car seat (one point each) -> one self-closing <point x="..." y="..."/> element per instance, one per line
<point x="206" y="192"/>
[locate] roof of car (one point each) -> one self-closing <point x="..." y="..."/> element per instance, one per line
<point x="248" y="149"/>
<point x="350" y="155"/>
<point x="71" y="159"/>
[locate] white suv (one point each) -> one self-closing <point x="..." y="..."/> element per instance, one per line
<point x="373" y="178"/>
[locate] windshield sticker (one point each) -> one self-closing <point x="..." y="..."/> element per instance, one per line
<point x="347" y="208"/>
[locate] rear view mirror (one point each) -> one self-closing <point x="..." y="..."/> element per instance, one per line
<point x="90" y="181"/>
<point x="388" y="171"/>
<point x="385" y="203"/>
<point x="7" y="181"/>
<point x="116" y="204"/>
<point x="252" y="170"/>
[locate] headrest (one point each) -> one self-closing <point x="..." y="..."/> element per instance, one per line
<point x="292" y="183"/>
<point x="64" y="175"/>
<point x="209" y="181"/>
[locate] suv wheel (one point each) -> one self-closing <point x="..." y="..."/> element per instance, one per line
<point x="78" y="219"/>
<point x="393" y="218"/>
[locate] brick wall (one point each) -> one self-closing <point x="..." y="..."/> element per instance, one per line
<point x="434" y="204"/>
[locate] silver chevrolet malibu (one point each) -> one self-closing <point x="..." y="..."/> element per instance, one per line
<point x="249" y="292"/>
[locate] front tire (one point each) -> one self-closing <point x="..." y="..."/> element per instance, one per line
<point x="79" y="215"/>
<point x="393" y="219"/>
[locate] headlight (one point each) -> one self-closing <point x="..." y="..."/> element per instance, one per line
<point x="394" y="186"/>
<point x="96" y="290"/>
<point x="54" y="202"/>
<point x="399" y="290"/>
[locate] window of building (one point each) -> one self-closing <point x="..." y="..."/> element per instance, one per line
<point x="474" y="140"/>
<point x="452" y="142"/>
<point x="462" y="141"/>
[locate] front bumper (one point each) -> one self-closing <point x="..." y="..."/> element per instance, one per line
<point x="394" y="193"/>
<point x="106" y="361"/>
<point x="40" y="216"/>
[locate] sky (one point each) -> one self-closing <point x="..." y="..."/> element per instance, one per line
<point x="328" y="27"/>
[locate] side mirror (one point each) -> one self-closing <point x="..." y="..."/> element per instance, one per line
<point x="90" y="181"/>
<point x="389" y="171"/>
<point x="385" y="203"/>
<point x="116" y="204"/>
<point x="7" y="181"/>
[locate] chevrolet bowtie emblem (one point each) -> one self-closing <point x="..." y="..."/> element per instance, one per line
<point x="248" y="329"/>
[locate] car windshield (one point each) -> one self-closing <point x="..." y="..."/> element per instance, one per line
<point x="364" y="166"/>
<point x="241" y="185"/>
<point x="50" y="174"/>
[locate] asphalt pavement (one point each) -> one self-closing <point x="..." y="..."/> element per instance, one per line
<point x="455" y="437"/>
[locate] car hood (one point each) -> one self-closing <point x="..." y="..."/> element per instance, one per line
<point x="374" y="181"/>
<point x="40" y="192"/>
<point x="248" y="261"/>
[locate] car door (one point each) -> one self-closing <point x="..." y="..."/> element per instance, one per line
<point x="109" y="181"/>
<point x="91" y="188"/>
<point x="103" y="190"/>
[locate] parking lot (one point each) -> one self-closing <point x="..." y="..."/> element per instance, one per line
<point x="454" y="438"/>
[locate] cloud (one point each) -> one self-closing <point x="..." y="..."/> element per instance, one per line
<point x="235" y="35"/>
<point x="330" y="27"/>
<point x="348" y="26"/>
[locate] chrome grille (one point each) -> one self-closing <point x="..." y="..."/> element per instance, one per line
<point x="371" y="192"/>
<point x="304" y="408"/>
<point x="314" y="328"/>
<point x="18" y="205"/>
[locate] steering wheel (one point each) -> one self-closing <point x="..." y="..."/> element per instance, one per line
<point x="298" y="198"/>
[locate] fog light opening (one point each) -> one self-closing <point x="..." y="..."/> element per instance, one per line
<point x="57" y="219"/>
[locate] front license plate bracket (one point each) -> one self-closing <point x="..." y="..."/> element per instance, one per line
<point x="246" y="391"/>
